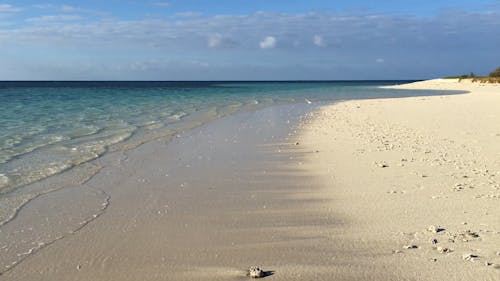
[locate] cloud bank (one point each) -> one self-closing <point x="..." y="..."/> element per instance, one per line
<point x="313" y="45"/>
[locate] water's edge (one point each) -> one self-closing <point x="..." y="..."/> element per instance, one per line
<point x="82" y="173"/>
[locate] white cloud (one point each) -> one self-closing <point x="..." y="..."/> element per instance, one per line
<point x="43" y="6"/>
<point x="188" y="14"/>
<point x="214" y="40"/>
<point x="319" y="41"/>
<point x="162" y="4"/>
<point x="380" y="60"/>
<point x="268" y="43"/>
<point x="54" y="18"/>
<point x="8" y="8"/>
<point x="69" y="9"/>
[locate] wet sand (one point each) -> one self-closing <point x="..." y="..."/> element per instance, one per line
<point x="205" y="206"/>
<point x="416" y="179"/>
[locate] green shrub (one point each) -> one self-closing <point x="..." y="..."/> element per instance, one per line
<point x="495" y="73"/>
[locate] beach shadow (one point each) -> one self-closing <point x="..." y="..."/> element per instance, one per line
<point x="268" y="273"/>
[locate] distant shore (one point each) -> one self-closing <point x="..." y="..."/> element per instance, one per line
<point x="417" y="179"/>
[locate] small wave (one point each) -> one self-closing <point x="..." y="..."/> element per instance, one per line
<point x="25" y="146"/>
<point x="11" y="204"/>
<point x="50" y="160"/>
<point x="177" y="116"/>
<point x="14" y="255"/>
<point x="83" y="131"/>
<point x="4" y="181"/>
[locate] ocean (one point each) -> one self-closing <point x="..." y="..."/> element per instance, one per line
<point x="50" y="127"/>
<point x="57" y="137"/>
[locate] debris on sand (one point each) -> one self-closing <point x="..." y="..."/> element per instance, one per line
<point x="435" y="229"/>
<point x="470" y="257"/>
<point x="255" y="272"/>
<point x="410" y="246"/>
<point x="443" y="250"/>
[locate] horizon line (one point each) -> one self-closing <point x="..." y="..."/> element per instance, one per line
<point x="169" y="81"/>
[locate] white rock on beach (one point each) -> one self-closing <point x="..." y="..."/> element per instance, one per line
<point x="410" y="246"/>
<point x="470" y="257"/>
<point x="443" y="250"/>
<point x="435" y="229"/>
<point x="255" y="272"/>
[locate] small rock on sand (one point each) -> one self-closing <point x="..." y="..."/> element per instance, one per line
<point x="470" y="257"/>
<point x="472" y="234"/>
<point x="443" y="250"/>
<point x="411" y="246"/>
<point x="435" y="229"/>
<point x="255" y="272"/>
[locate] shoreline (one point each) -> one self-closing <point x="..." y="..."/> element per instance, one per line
<point x="170" y="211"/>
<point x="215" y="200"/>
<point x="417" y="178"/>
<point x="14" y="198"/>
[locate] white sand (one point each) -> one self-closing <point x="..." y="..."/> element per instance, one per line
<point x="394" y="167"/>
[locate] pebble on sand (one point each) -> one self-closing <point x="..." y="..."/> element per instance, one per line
<point x="411" y="246"/>
<point x="255" y="272"/>
<point x="443" y="250"/>
<point x="470" y="257"/>
<point x="435" y="229"/>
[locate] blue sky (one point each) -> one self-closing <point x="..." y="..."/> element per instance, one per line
<point x="247" y="40"/>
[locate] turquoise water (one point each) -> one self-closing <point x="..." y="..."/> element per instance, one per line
<point x="49" y="127"/>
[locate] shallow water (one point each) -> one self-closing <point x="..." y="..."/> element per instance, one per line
<point x="50" y="127"/>
<point x="47" y="128"/>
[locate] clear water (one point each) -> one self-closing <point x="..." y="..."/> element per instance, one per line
<point x="49" y="127"/>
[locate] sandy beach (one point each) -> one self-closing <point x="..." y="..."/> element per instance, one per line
<point x="417" y="181"/>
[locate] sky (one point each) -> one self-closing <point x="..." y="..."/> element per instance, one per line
<point x="247" y="39"/>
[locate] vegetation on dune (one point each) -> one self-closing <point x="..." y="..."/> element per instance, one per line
<point x="464" y="76"/>
<point x="494" y="77"/>
<point x="486" y="79"/>
<point x="495" y="73"/>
